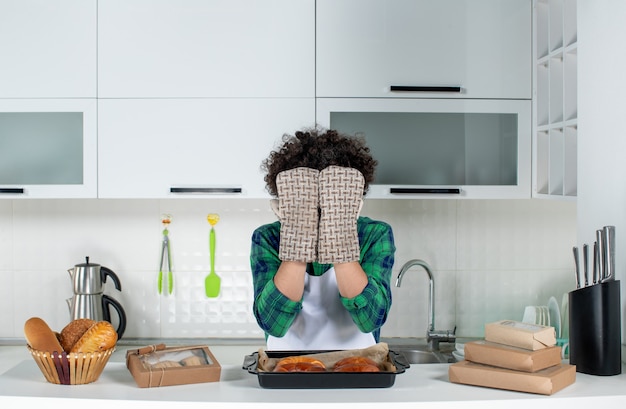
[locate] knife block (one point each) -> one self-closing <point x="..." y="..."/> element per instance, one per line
<point x="595" y="329"/>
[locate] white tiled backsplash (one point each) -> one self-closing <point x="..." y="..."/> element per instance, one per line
<point x="490" y="258"/>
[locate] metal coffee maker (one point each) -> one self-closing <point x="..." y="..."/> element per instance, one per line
<point x="89" y="300"/>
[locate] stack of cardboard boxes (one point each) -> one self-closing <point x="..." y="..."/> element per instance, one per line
<point x="515" y="356"/>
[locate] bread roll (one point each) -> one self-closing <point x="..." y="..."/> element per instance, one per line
<point x="193" y="361"/>
<point x="40" y="337"/>
<point x="291" y="364"/>
<point x="299" y="367"/>
<point x="167" y="364"/>
<point x="73" y="331"/>
<point x="356" y="364"/>
<point x="357" y="368"/>
<point x="99" y="337"/>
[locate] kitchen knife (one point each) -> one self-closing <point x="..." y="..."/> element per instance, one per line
<point x="596" y="261"/>
<point x="608" y="234"/>
<point x="601" y="259"/>
<point x="576" y="266"/>
<point x="586" y="263"/>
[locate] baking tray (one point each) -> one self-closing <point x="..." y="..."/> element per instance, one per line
<point x="323" y="380"/>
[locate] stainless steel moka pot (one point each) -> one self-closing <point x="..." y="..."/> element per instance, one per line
<point x="89" y="300"/>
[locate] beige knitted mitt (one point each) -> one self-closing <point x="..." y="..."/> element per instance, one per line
<point x="298" y="213"/>
<point x="341" y="196"/>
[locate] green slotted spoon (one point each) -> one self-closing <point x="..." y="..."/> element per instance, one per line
<point x="212" y="282"/>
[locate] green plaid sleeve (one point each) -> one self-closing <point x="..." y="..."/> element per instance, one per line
<point x="369" y="309"/>
<point x="273" y="311"/>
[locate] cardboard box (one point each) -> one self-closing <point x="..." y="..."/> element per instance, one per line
<point x="544" y="382"/>
<point x="506" y="356"/>
<point x="158" y="365"/>
<point x="520" y="334"/>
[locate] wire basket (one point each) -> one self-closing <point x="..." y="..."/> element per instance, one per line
<point x="75" y="368"/>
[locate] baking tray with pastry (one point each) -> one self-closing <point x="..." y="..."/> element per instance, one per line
<point x="373" y="367"/>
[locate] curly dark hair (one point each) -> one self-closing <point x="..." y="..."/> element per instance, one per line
<point x="317" y="149"/>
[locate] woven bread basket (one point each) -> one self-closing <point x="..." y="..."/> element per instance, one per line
<point x="76" y="368"/>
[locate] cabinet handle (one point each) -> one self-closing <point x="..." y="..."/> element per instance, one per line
<point x="18" y="190"/>
<point x="429" y="190"/>
<point x="410" y="88"/>
<point x="205" y="190"/>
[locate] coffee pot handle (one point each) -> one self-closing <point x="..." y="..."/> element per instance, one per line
<point x="104" y="272"/>
<point x="108" y="301"/>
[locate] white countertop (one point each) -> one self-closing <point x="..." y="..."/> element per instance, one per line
<point x="425" y="385"/>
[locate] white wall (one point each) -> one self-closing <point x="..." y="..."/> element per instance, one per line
<point x="490" y="258"/>
<point x="601" y="132"/>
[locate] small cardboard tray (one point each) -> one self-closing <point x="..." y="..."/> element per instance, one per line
<point x="158" y="365"/>
<point x="520" y="334"/>
<point x="395" y="362"/>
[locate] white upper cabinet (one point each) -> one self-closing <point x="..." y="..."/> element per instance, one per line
<point x="365" y="47"/>
<point x="200" y="48"/>
<point x="48" y="48"/>
<point x="48" y="148"/>
<point x="198" y="147"/>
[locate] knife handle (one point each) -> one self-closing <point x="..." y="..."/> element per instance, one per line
<point x="586" y="263"/>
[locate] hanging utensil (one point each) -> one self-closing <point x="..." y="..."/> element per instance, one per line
<point x="212" y="282"/>
<point x="166" y="219"/>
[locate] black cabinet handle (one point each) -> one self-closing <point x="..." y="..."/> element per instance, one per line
<point x="428" y="190"/>
<point x="410" y="88"/>
<point x="18" y="190"/>
<point x="206" y="190"/>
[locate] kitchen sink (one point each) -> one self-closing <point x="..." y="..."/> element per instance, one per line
<point x="418" y="356"/>
<point x="421" y="353"/>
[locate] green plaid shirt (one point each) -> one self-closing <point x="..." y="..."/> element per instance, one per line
<point x="275" y="313"/>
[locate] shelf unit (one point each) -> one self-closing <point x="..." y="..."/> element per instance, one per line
<point x="555" y="107"/>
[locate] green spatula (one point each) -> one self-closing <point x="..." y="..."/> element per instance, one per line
<point x="212" y="282"/>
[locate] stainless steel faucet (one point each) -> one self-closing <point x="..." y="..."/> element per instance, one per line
<point x="432" y="336"/>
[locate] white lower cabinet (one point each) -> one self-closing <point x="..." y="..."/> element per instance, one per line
<point x="48" y="148"/>
<point x="184" y="148"/>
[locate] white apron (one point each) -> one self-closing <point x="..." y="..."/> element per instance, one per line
<point x="323" y="323"/>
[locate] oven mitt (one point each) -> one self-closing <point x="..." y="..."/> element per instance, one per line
<point x="297" y="210"/>
<point x="341" y="198"/>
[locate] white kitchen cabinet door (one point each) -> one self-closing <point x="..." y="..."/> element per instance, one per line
<point x="184" y="148"/>
<point x="365" y="47"/>
<point x="200" y="48"/>
<point x="48" y="148"/>
<point x="440" y="148"/>
<point x="48" y="48"/>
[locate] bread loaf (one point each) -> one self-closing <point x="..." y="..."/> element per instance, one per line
<point x="99" y="337"/>
<point x="73" y="331"/>
<point x="40" y="337"/>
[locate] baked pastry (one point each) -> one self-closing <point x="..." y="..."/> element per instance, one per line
<point x="167" y="364"/>
<point x="192" y="361"/>
<point x="356" y="364"/>
<point x="299" y="367"/>
<point x="299" y="364"/>
<point x="73" y="331"/>
<point x="99" y="337"/>
<point x="40" y="337"/>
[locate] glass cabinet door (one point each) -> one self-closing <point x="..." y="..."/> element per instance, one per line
<point x="433" y="147"/>
<point x="47" y="148"/>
